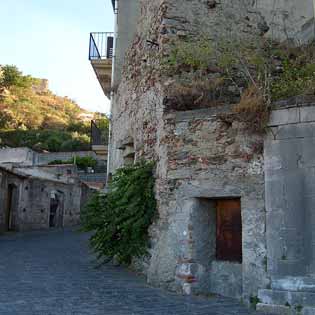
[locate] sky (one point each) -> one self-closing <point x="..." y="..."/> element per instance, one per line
<point x="50" y="39"/>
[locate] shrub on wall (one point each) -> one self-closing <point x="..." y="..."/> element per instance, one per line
<point x="121" y="218"/>
<point x="250" y="75"/>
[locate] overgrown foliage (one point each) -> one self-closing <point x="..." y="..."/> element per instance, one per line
<point x="250" y="75"/>
<point x="82" y="162"/>
<point x="295" y="73"/>
<point x="121" y="218"/>
<point x="188" y="55"/>
<point x="11" y="76"/>
<point x="52" y="140"/>
<point x="31" y="115"/>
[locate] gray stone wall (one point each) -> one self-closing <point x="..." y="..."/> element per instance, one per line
<point x="23" y="156"/>
<point x="33" y="201"/>
<point x="289" y="19"/>
<point x="200" y="155"/>
<point x="208" y="158"/>
<point x="290" y="191"/>
<point x="34" y="207"/>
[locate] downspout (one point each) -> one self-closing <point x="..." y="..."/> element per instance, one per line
<point x="112" y="93"/>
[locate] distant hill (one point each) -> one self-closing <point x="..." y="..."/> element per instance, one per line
<point x="31" y="115"/>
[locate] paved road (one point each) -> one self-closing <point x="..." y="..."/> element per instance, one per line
<point x="53" y="273"/>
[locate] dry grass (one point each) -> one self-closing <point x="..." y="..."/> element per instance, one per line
<point x="252" y="109"/>
<point x="198" y="92"/>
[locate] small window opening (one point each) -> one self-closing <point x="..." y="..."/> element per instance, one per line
<point x="229" y="230"/>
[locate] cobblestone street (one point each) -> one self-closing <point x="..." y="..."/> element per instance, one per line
<point x="53" y="273"/>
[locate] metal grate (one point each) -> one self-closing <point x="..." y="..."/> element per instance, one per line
<point x="99" y="134"/>
<point x="101" y="45"/>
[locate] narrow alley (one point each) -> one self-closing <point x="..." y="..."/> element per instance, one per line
<point x="53" y="273"/>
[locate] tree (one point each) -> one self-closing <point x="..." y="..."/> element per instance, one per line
<point x="11" y="76"/>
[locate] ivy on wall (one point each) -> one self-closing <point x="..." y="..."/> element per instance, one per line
<point x="121" y="218"/>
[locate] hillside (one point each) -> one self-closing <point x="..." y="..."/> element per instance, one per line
<point x="31" y="115"/>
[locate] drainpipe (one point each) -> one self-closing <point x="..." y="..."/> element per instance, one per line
<point x="112" y="93"/>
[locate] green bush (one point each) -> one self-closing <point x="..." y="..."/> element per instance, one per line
<point x="50" y="139"/>
<point x="121" y="218"/>
<point x="11" y="76"/>
<point x="296" y="79"/>
<point x="189" y="54"/>
<point x="82" y="162"/>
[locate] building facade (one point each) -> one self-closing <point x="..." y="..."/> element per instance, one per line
<point x="35" y="195"/>
<point x="235" y="207"/>
<point x="33" y="200"/>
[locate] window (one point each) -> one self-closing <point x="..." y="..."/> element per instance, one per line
<point x="229" y="230"/>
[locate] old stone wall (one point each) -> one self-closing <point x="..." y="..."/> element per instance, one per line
<point x="6" y="179"/>
<point x="34" y="207"/>
<point x="138" y="99"/>
<point x="22" y="156"/>
<point x="200" y="155"/>
<point x="32" y="201"/>
<point x="289" y="185"/>
<point x="208" y="159"/>
<point x="290" y="191"/>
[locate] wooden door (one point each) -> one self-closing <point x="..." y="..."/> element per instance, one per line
<point x="229" y="230"/>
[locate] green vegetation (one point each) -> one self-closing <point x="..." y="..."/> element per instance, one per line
<point x="82" y="162"/>
<point x="121" y="218"/>
<point x="299" y="308"/>
<point x="32" y="116"/>
<point x="188" y="55"/>
<point x="254" y="300"/>
<point x="297" y="72"/>
<point x="250" y="75"/>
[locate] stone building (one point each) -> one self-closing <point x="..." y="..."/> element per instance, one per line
<point x="32" y="199"/>
<point x="38" y="196"/>
<point x="235" y="207"/>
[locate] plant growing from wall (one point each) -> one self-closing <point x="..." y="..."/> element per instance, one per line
<point x="188" y="54"/>
<point x="121" y="218"/>
<point x="250" y="75"/>
<point x="297" y="72"/>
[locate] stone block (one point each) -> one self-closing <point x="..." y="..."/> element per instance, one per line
<point x="307" y="114"/>
<point x="226" y="278"/>
<point x="278" y="297"/>
<point x="308" y="311"/>
<point x="304" y="284"/>
<point x="284" y="117"/>
<point x="292" y="131"/>
<point x="273" y="309"/>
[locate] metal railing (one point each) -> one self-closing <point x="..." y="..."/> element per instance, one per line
<point x="101" y="45"/>
<point x="99" y="133"/>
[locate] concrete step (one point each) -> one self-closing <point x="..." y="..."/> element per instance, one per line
<point x="287" y="298"/>
<point x="284" y="310"/>
<point x="300" y="284"/>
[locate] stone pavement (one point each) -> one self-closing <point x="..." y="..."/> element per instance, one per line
<point x="53" y="273"/>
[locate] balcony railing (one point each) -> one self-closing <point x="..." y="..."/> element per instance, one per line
<point x="101" y="45"/>
<point x="99" y="132"/>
